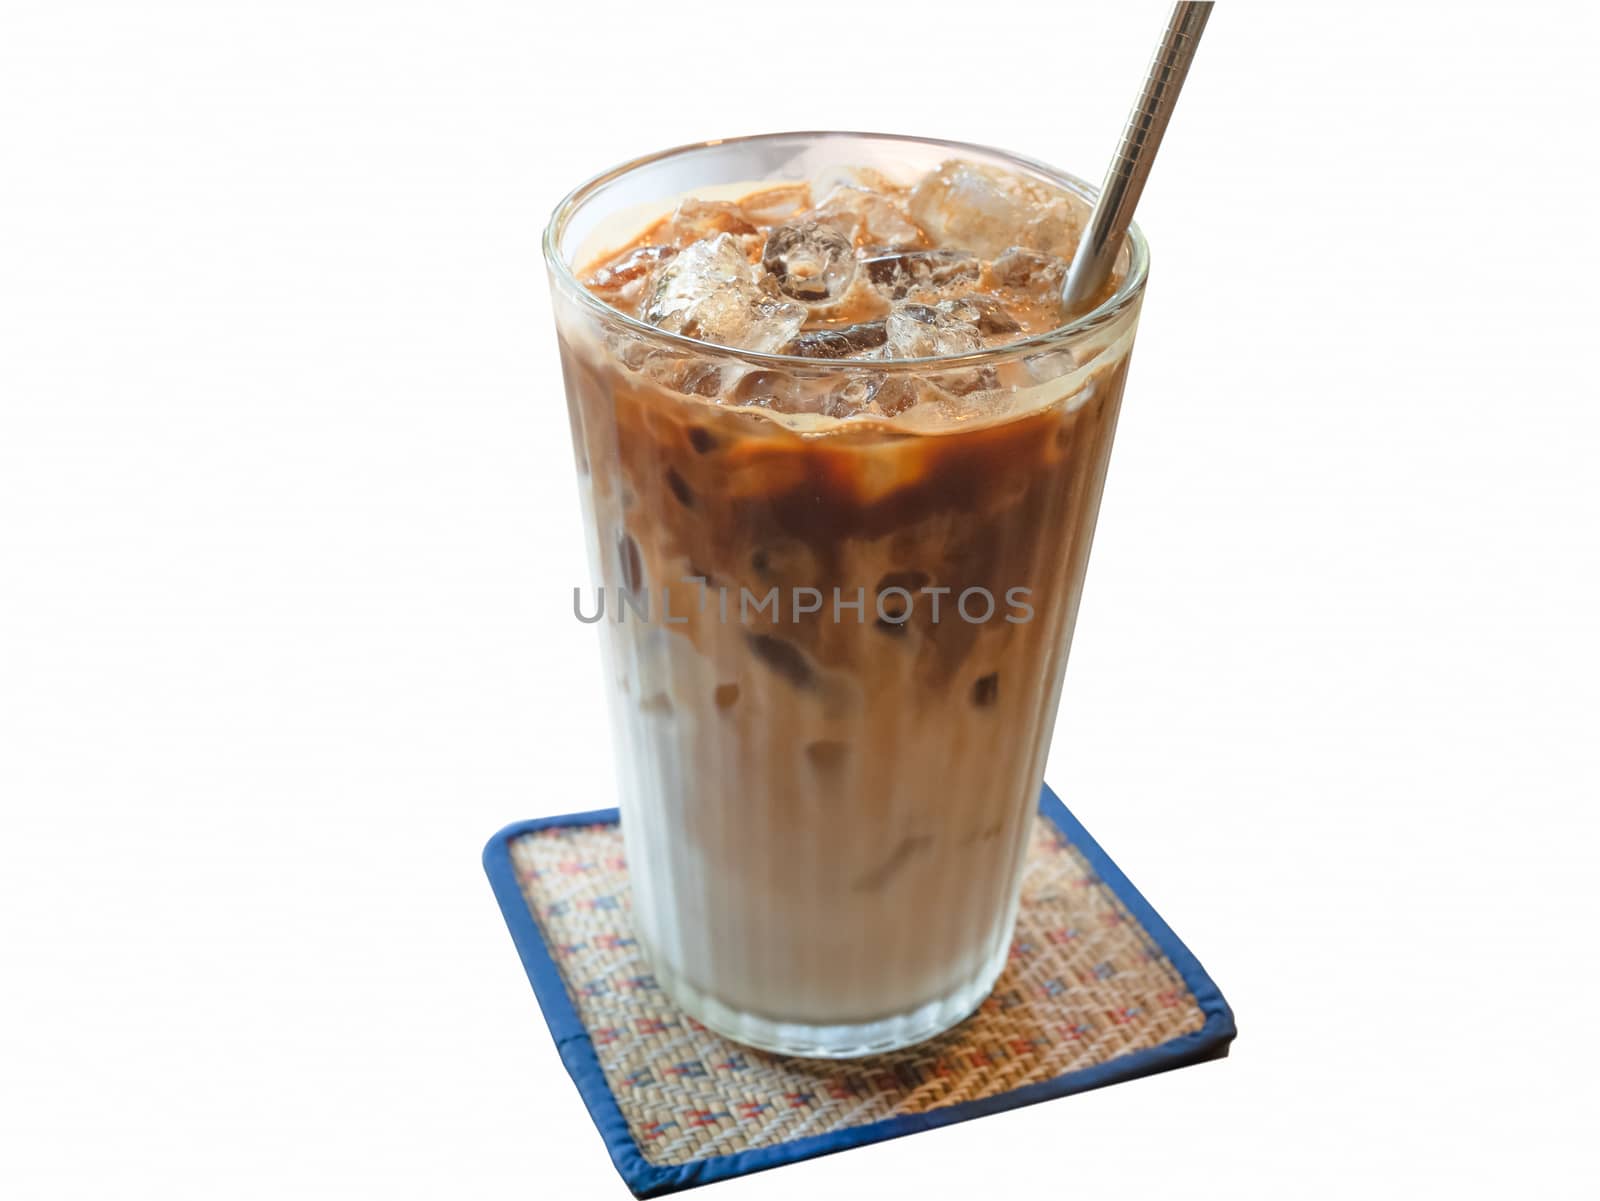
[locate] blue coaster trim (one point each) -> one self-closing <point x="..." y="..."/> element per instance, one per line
<point x="645" y="1179"/>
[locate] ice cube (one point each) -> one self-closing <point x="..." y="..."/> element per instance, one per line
<point x="838" y="341"/>
<point x="896" y="394"/>
<point x="850" y="396"/>
<point x="984" y="210"/>
<point x="696" y="272"/>
<point x="1037" y="275"/>
<point x="691" y="376"/>
<point x="898" y="273"/>
<point x="918" y="331"/>
<point x="985" y="312"/>
<point x="695" y="220"/>
<point x="778" y="203"/>
<point x="709" y="291"/>
<point x="1050" y="365"/>
<point x="869" y="219"/>
<point x="810" y="261"/>
<point x="767" y="390"/>
<point x="634" y="351"/>
<point x="622" y="280"/>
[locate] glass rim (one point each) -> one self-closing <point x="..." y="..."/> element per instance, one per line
<point x="1119" y="302"/>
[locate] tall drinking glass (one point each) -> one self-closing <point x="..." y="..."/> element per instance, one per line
<point x="833" y="646"/>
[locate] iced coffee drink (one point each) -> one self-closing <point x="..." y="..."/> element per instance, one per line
<point x="840" y="463"/>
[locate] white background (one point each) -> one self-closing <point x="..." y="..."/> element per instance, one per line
<point x="289" y="528"/>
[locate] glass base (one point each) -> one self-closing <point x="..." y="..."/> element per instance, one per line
<point x="846" y="1041"/>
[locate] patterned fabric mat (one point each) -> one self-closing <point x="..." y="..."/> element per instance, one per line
<point x="1097" y="989"/>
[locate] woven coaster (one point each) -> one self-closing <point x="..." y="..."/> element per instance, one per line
<point x="1098" y="990"/>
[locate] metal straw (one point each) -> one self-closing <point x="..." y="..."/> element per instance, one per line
<point x="1113" y="212"/>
